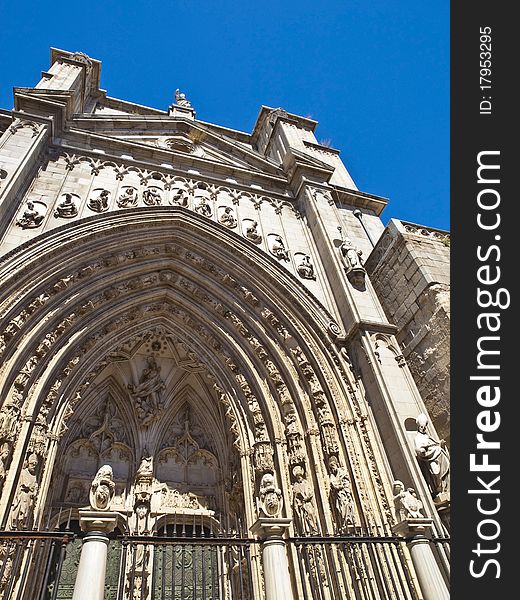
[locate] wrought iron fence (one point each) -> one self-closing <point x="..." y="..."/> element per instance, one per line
<point x="188" y="562"/>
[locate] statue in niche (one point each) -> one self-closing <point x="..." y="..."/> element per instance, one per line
<point x="5" y="450"/>
<point x="305" y="268"/>
<point x="203" y="207"/>
<point x="100" y="204"/>
<point x="278" y="248"/>
<point x="152" y="197"/>
<point x="31" y="217"/>
<point x="433" y="458"/>
<point x="179" y="197"/>
<point x="181" y="100"/>
<point x="303" y="503"/>
<point x="67" y="208"/>
<point x="270" y="496"/>
<point x="145" y="470"/>
<point x="127" y="198"/>
<point x="406" y="503"/>
<point x="102" y="489"/>
<point x="227" y="218"/>
<point x="341" y="495"/>
<point x="9" y="421"/>
<point x="147" y="393"/>
<point x="252" y="233"/>
<point x="25" y="495"/>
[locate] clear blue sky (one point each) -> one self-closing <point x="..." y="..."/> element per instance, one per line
<point x="373" y="73"/>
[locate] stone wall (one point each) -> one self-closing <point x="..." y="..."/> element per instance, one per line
<point x="409" y="269"/>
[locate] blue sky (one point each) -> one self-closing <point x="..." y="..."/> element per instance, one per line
<point x="374" y="74"/>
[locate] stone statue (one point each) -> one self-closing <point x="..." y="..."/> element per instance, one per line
<point x="433" y="458"/>
<point x="102" y="489"/>
<point x="147" y="392"/>
<point x="25" y="495"/>
<point x="303" y="503"/>
<point x="181" y="100"/>
<point x="341" y="495"/>
<point x="5" y="449"/>
<point x="353" y="265"/>
<point x="152" y="197"/>
<point x="9" y="421"/>
<point x="145" y="470"/>
<point x="203" y="207"/>
<point x="278" y="248"/>
<point x="100" y="204"/>
<point x="252" y="233"/>
<point x="227" y="218"/>
<point x="127" y="198"/>
<point x="30" y="217"/>
<point x="305" y="268"/>
<point x="270" y="496"/>
<point x="406" y="503"/>
<point x="67" y="208"/>
<point x="179" y="197"/>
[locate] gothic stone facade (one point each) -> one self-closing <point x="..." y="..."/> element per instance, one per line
<point x="189" y="304"/>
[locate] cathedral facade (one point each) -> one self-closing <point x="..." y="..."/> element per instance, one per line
<point x="201" y="392"/>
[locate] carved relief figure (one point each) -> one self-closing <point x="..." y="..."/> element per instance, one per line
<point x="305" y="268"/>
<point x="152" y="197"/>
<point x="25" y="495"/>
<point x="341" y="495"/>
<point x="203" y="207"/>
<point x="406" y="503"/>
<point x="227" y="218"/>
<point x="127" y="198"/>
<point x="179" y="197"/>
<point x="252" y="233"/>
<point x="147" y="393"/>
<point x="278" y="248"/>
<point x="145" y="470"/>
<point x="102" y="489"/>
<point x="100" y="204"/>
<point x="270" y="496"/>
<point x="433" y="458"/>
<point x="5" y="449"/>
<point x="303" y="503"/>
<point x="9" y="421"/>
<point x="30" y="217"/>
<point x="67" y="208"/>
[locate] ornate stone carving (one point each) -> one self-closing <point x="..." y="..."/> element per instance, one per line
<point x="227" y="218"/>
<point x="328" y="430"/>
<point x="67" y="208"/>
<point x="179" y="197"/>
<point x="270" y="496"/>
<point x="353" y="266"/>
<point x="31" y="217"/>
<point x="433" y="459"/>
<point x="147" y="393"/>
<point x="128" y="198"/>
<point x="303" y="503"/>
<point x="252" y="232"/>
<point x="341" y="498"/>
<point x="152" y="196"/>
<point x="305" y="268"/>
<point x="25" y="495"/>
<point x="278" y="248"/>
<point x="99" y="203"/>
<point x="406" y="503"/>
<point x="295" y="449"/>
<point x="181" y="100"/>
<point x="263" y="457"/>
<point x="102" y="489"/>
<point x="202" y="206"/>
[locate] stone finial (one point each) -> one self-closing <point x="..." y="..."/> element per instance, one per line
<point x="102" y="489"/>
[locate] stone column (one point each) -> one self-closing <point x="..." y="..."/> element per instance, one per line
<point x="277" y="580"/>
<point x="90" y="580"/>
<point x="414" y="531"/>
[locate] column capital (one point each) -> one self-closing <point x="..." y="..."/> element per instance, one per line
<point x="410" y="529"/>
<point x="96" y="520"/>
<point x="268" y="527"/>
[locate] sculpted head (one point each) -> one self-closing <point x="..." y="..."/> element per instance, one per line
<point x="422" y="422"/>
